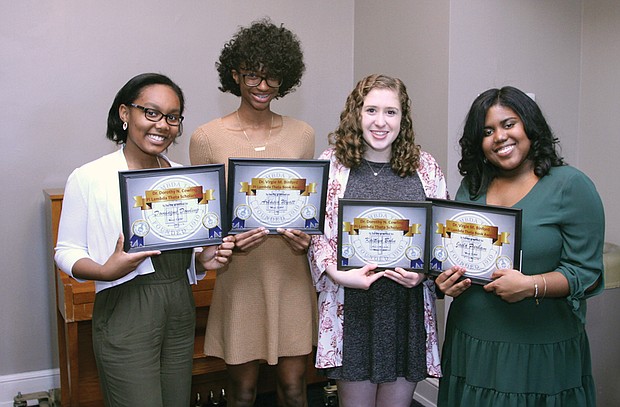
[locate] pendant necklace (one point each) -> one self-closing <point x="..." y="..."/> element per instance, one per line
<point x="375" y="173"/>
<point x="259" y="148"/>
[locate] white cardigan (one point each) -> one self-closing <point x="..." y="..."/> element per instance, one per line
<point x="91" y="222"/>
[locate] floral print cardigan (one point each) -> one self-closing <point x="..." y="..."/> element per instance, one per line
<point x="322" y="252"/>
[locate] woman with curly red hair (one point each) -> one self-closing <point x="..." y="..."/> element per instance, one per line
<point x="377" y="333"/>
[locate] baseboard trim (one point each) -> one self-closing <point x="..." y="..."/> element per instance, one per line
<point x="29" y="382"/>
<point x="44" y="380"/>
<point x="426" y="392"/>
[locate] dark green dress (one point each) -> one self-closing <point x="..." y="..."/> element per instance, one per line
<point x="523" y="354"/>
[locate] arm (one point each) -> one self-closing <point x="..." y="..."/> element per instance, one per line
<point x="361" y="278"/>
<point x="199" y="148"/>
<point x="408" y="279"/>
<point x="215" y="257"/>
<point x="449" y="284"/>
<point x="579" y="269"/>
<point x="309" y="142"/>
<point x="322" y="250"/>
<point x="512" y="286"/>
<point x="297" y="240"/>
<point x="583" y="234"/>
<point x="433" y="179"/>
<point x="89" y="246"/>
<point x="246" y="241"/>
<point x="118" y="265"/>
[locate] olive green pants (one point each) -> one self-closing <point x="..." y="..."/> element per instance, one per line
<point x="143" y="340"/>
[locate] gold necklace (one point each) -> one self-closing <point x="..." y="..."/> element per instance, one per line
<point x="375" y="173"/>
<point x="259" y="148"/>
<point x="158" y="163"/>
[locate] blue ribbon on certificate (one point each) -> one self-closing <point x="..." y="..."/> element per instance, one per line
<point x="345" y="261"/>
<point x="238" y="223"/>
<point x="435" y="264"/>
<point x="312" y="223"/>
<point x="417" y="264"/>
<point x="136" y="241"/>
<point x="215" y="232"/>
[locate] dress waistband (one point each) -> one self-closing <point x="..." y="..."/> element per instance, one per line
<point x="151" y="278"/>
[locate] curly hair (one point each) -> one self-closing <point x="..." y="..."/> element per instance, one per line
<point x="128" y="94"/>
<point x="262" y="47"/>
<point x="473" y="166"/>
<point x="348" y="139"/>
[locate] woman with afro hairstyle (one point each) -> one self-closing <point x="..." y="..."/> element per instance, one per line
<point x="264" y="304"/>
<point x="377" y="332"/>
<point x="520" y="340"/>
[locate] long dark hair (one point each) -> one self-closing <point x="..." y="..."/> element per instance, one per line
<point x="473" y="166"/>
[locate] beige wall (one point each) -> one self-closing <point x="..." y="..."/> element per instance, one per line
<point x="599" y="145"/>
<point x="409" y="40"/>
<point x="531" y="44"/>
<point x="62" y="63"/>
<point x="599" y="141"/>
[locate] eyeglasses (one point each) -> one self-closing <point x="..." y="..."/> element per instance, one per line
<point x="155" y="115"/>
<point x="252" y="80"/>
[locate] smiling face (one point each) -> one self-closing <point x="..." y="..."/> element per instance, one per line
<point x="145" y="137"/>
<point x="505" y="143"/>
<point x="381" y="116"/>
<point x="257" y="97"/>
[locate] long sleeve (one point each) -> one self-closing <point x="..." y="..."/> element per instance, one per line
<point x="72" y="235"/>
<point x="583" y="229"/>
<point x="432" y="177"/>
<point x="322" y="250"/>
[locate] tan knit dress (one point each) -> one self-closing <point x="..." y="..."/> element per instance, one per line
<point x="264" y="303"/>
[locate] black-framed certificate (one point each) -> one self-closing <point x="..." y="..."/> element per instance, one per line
<point x="276" y="193"/>
<point x="389" y="234"/>
<point x="480" y="238"/>
<point x="173" y="208"/>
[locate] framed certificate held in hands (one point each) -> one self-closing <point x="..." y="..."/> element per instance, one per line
<point x="480" y="238"/>
<point x="389" y="234"/>
<point x="276" y="194"/>
<point x="173" y="208"/>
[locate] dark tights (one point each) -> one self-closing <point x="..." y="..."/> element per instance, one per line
<point x="291" y="382"/>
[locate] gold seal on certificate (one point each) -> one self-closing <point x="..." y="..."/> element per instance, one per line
<point x="413" y="252"/>
<point x="172" y="208"/>
<point x="388" y="234"/>
<point x="276" y="194"/>
<point x="480" y="238"/>
<point x="243" y="212"/>
<point x="210" y="220"/>
<point x="140" y="228"/>
<point x="308" y="212"/>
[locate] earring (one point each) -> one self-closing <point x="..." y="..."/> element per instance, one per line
<point x="124" y="125"/>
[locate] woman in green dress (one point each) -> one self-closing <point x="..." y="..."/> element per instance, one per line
<point x="520" y="340"/>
